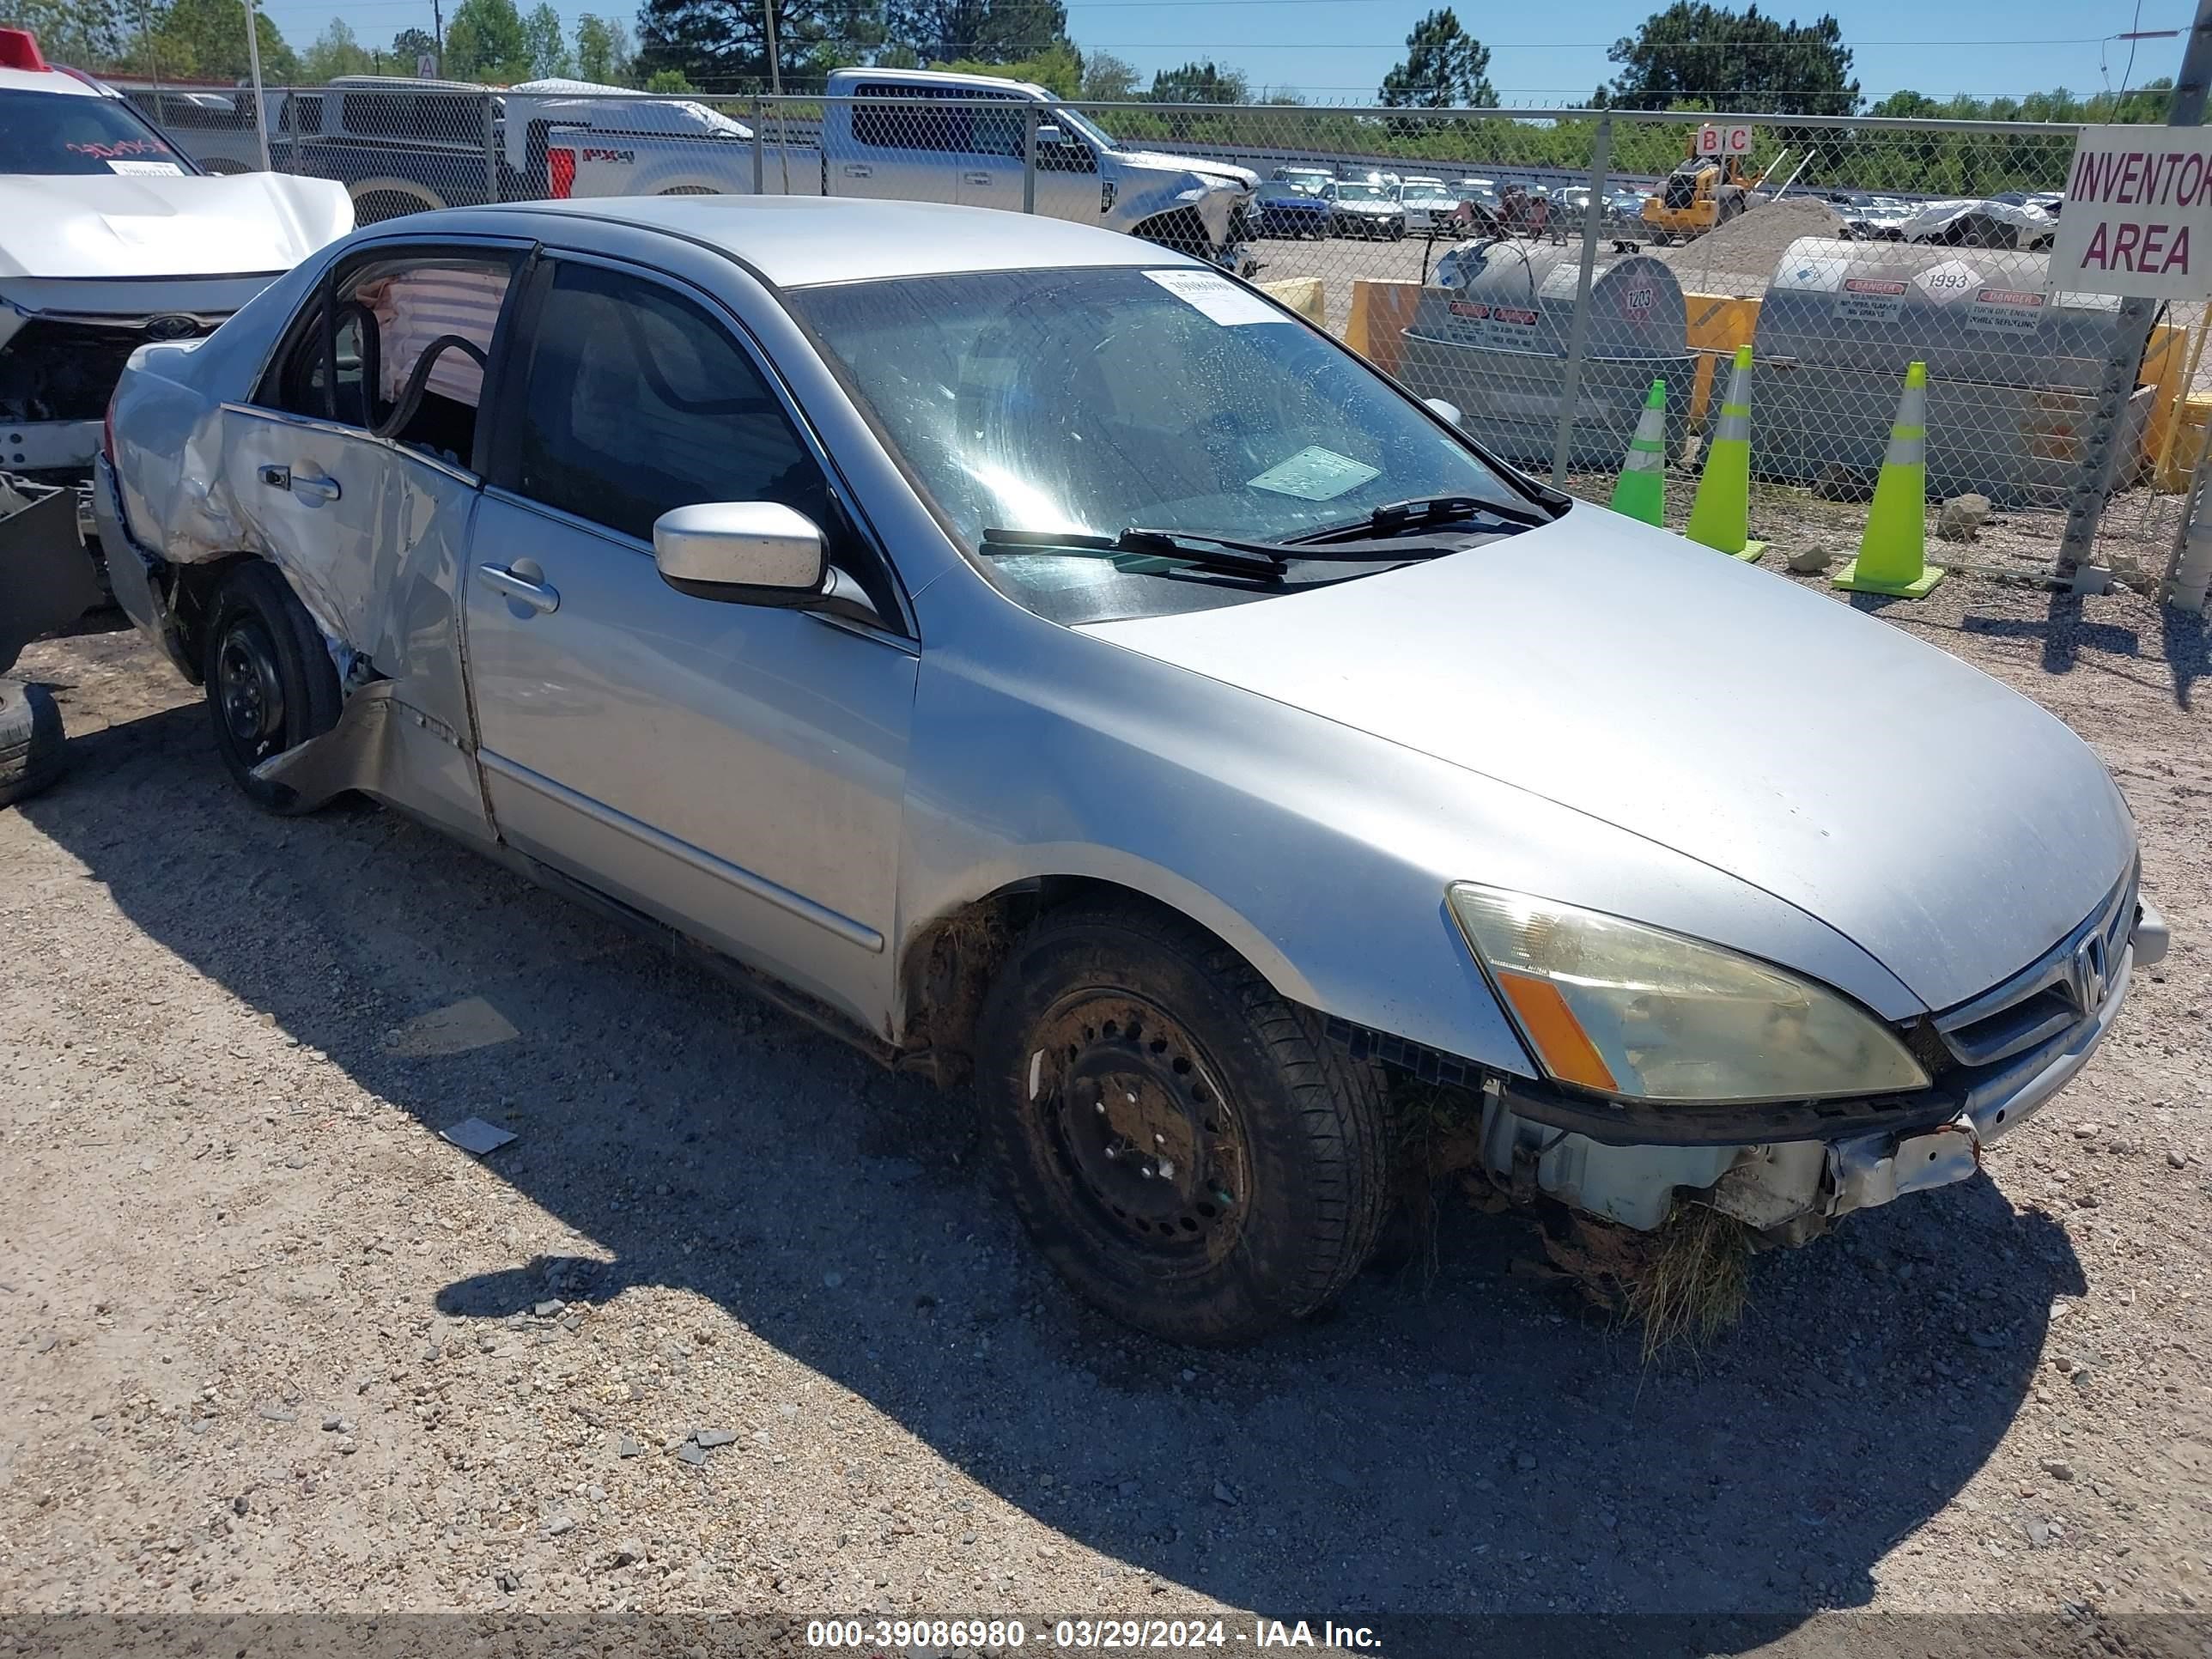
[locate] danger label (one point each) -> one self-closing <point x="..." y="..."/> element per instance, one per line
<point x="1870" y="300"/>
<point x="2005" y="311"/>
<point x="1504" y="327"/>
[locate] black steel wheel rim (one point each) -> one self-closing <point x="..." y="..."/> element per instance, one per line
<point x="1146" y="1141"/>
<point x="250" y="690"/>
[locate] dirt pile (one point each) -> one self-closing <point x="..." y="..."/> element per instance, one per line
<point x="1746" y="249"/>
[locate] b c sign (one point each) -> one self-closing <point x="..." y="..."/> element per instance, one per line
<point x="2137" y="217"/>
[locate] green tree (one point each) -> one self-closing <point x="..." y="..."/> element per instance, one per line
<point x="1108" y="79"/>
<point x="721" y="44"/>
<point x="1056" y="69"/>
<point x="335" y="53"/>
<point x="1735" y="61"/>
<point x="93" y="35"/>
<point x="669" y="80"/>
<point x="1444" y="68"/>
<point x="485" y="41"/>
<point x="548" y="48"/>
<point x="409" y="46"/>
<point x="206" y="38"/>
<point x="980" y="31"/>
<point x="602" y="50"/>
<point x="1199" y="83"/>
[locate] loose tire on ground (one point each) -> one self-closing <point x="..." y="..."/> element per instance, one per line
<point x="31" y="740"/>
<point x="1188" y="1149"/>
<point x="270" y="684"/>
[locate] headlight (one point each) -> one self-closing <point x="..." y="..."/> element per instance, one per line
<point x="1636" y="1012"/>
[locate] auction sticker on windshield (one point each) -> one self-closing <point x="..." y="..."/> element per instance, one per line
<point x="147" y="170"/>
<point x="1314" y="474"/>
<point x="1217" y="297"/>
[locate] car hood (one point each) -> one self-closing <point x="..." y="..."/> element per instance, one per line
<point x="1366" y="207"/>
<point x="160" y="225"/>
<point x="1949" y="826"/>
<point x="1205" y="169"/>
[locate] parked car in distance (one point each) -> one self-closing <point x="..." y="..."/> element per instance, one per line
<point x="937" y="135"/>
<point x="1308" y="180"/>
<point x="1288" y="211"/>
<point x="1359" y="208"/>
<point x="110" y="238"/>
<point x="791" y="525"/>
<point x="1427" y="203"/>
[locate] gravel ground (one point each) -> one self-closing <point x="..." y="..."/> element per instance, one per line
<point x="734" y="1324"/>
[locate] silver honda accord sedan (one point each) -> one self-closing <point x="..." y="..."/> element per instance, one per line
<point x="1042" y="659"/>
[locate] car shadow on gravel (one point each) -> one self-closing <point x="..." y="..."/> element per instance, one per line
<point x="1452" y="1440"/>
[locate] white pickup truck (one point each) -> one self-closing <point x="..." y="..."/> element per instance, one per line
<point x="922" y="135"/>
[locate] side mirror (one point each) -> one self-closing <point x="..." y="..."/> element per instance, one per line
<point x="742" y="553"/>
<point x="1051" y="133"/>
<point x="1450" y="412"/>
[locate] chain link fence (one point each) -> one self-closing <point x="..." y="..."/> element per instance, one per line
<point x="1537" y="269"/>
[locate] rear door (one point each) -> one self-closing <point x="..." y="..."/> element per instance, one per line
<point x="904" y="143"/>
<point x="355" y="463"/>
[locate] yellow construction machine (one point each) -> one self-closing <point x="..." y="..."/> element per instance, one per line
<point x="1704" y="192"/>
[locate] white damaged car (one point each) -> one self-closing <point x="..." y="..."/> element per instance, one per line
<point x="112" y="237"/>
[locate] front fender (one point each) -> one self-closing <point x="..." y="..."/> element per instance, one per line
<point x="1322" y="854"/>
<point x="1145" y="193"/>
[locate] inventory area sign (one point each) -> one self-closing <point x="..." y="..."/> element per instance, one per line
<point x="2137" y="217"/>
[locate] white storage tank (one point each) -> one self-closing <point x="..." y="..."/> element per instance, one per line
<point x="1489" y="335"/>
<point x="2013" y="369"/>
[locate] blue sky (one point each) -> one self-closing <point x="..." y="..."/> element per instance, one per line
<point x="1337" y="51"/>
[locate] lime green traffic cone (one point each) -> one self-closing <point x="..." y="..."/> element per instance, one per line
<point x="1721" y="516"/>
<point x="1641" y="491"/>
<point x="1894" y="553"/>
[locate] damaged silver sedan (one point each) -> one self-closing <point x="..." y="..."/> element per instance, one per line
<point x="1039" y="658"/>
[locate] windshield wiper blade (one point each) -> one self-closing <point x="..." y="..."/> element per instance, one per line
<point x="1204" y="552"/>
<point x="1420" y="514"/>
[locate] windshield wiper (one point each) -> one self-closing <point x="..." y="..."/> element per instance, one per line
<point x="1206" y="552"/>
<point x="1228" y="553"/>
<point x="1419" y="515"/>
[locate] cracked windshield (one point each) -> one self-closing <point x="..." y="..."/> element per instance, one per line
<point x="1099" y="400"/>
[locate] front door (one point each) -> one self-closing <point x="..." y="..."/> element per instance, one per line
<point x="735" y="770"/>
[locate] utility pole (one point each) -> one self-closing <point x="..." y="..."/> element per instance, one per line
<point x="437" y="34"/>
<point x="261" y="103"/>
<point x="775" y="70"/>
<point x="2130" y="336"/>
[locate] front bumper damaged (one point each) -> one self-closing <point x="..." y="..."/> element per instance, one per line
<point x="1816" y="1164"/>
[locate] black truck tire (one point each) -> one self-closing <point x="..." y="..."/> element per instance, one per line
<point x="31" y="740"/>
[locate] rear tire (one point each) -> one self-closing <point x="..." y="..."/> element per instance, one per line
<point x="271" y="683"/>
<point x="32" y="742"/>
<point x="1187" y="1148"/>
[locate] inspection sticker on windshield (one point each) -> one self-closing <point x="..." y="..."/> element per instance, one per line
<point x="1314" y="474"/>
<point x="149" y="169"/>
<point x="1217" y="297"/>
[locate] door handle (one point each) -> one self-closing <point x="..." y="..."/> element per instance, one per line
<point x="977" y="177"/>
<point x="312" y="487"/>
<point x="856" y="170"/>
<point x="538" y="596"/>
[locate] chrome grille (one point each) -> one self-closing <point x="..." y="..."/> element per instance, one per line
<point x="2059" y="990"/>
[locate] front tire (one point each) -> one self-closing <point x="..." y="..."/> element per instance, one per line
<point x="270" y="684"/>
<point x="1187" y="1148"/>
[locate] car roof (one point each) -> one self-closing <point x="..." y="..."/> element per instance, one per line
<point x="46" y="80"/>
<point x="794" y="241"/>
<point x="937" y="78"/>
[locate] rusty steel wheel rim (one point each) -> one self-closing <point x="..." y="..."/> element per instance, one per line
<point x="1146" y="1139"/>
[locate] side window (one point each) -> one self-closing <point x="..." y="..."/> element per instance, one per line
<point x="637" y="401"/>
<point x="401" y="352"/>
<point x="998" y="131"/>
<point x="909" y="118"/>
